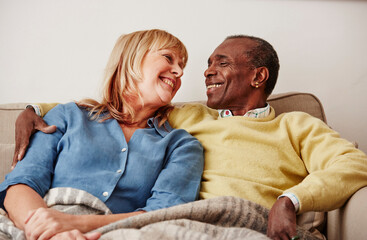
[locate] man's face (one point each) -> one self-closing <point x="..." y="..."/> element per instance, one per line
<point x="228" y="77"/>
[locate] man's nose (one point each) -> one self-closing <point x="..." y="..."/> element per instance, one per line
<point x="210" y="71"/>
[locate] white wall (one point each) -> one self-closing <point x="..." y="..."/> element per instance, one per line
<point x="52" y="50"/>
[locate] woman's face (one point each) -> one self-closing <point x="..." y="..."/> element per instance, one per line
<point x="161" y="77"/>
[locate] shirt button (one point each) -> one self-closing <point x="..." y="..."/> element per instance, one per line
<point x="119" y="171"/>
<point x="105" y="194"/>
<point x="123" y="150"/>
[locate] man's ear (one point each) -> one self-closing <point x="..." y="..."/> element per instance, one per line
<point x="262" y="75"/>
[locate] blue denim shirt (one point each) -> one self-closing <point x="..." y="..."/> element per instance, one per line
<point x="159" y="167"/>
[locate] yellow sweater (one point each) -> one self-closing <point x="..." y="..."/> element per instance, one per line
<point x="259" y="159"/>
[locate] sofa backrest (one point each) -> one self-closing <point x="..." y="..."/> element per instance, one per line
<point x="8" y="115"/>
<point x="284" y="102"/>
<point x="296" y="101"/>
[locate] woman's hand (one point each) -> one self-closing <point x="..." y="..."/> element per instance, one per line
<point x="26" y="124"/>
<point x="44" y="223"/>
<point x="76" y="235"/>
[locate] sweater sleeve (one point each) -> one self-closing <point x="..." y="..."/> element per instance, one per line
<point x="336" y="168"/>
<point x="45" y="107"/>
<point x="189" y="114"/>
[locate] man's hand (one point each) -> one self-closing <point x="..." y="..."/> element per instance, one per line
<point x="282" y="220"/>
<point x="26" y="124"/>
<point x="77" y="235"/>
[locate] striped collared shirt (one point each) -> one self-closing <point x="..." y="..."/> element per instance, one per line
<point x="254" y="113"/>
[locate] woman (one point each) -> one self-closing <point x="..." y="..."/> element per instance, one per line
<point x="122" y="150"/>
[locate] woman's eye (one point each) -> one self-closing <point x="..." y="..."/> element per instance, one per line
<point x="168" y="57"/>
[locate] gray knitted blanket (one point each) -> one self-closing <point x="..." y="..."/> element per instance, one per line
<point x="218" y="218"/>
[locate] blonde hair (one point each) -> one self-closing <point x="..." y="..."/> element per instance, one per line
<point x="123" y="70"/>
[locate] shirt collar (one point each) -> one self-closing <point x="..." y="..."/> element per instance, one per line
<point x="254" y="113"/>
<point x="162" y="130"/>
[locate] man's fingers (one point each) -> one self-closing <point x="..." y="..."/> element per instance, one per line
<point x="19" y="152"/>
<point x="15" y="159"/>
<point x="15" y="156"/>
<point x="22" y="147"/>
<point x="22" y="150"/>
<point x="49" y="129"/>
<point x="42" y="126"/>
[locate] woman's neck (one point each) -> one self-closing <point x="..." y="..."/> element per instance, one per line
<point x="140" y="121"/>
<point x="141" y="116"/>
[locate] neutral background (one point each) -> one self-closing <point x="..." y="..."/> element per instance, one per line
<point x="56" y="50"/>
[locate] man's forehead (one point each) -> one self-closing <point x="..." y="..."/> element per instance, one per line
<point x="238" y="45"/>
<point x="231" y="49"/>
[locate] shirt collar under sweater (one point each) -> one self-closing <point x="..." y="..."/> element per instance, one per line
<point x="254" y="113"/>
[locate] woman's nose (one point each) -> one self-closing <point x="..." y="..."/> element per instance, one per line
<point x="177" y="70"/>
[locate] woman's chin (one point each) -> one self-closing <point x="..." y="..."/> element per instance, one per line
<point x="167" y="97"/>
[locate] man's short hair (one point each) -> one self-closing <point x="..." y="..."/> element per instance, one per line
<point x="262" y="55"/>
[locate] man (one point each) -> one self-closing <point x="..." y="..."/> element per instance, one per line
<point x="291" y="164"/>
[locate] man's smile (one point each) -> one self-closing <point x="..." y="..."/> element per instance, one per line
<point x="214" y="85"/>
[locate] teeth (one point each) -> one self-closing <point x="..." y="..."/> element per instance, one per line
<point x="168" y="82"/>
<point x="213" y="85"/>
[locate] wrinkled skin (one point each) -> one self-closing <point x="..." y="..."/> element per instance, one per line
<point x="26" y="124"/>
<point x="282" y="220"/>
<point x="43" y="223"/>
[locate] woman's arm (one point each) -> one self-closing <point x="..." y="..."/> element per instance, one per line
<point x="19" y="200"/>
<point x="29" y="212"/>
<point x="45" y="223"/>
<point x="179" y="180"/>
<point x="87" y="223"/>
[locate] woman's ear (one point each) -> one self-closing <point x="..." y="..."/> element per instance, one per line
<point x="262" y="75"/>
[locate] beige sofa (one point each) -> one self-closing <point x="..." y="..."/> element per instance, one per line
<point x="348" y="222"/>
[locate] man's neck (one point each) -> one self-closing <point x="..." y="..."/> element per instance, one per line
<point x="249" y="106"/>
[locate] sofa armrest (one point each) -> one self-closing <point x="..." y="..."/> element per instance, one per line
<point x="349" y="221"/>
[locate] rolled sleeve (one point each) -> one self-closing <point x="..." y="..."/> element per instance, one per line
<point x="179" y="181"/>
<point x="37" y="167"/>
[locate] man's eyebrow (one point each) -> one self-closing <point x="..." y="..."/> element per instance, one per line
<point x="218" y="57"/>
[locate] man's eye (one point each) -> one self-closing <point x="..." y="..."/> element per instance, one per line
<point x="223" y="64"/>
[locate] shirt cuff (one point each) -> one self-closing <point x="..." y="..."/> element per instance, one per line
<point x="293" y="198"/>
<point x="36" y="108"/>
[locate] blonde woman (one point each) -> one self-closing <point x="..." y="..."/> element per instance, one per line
<point x="121" y="149"/>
